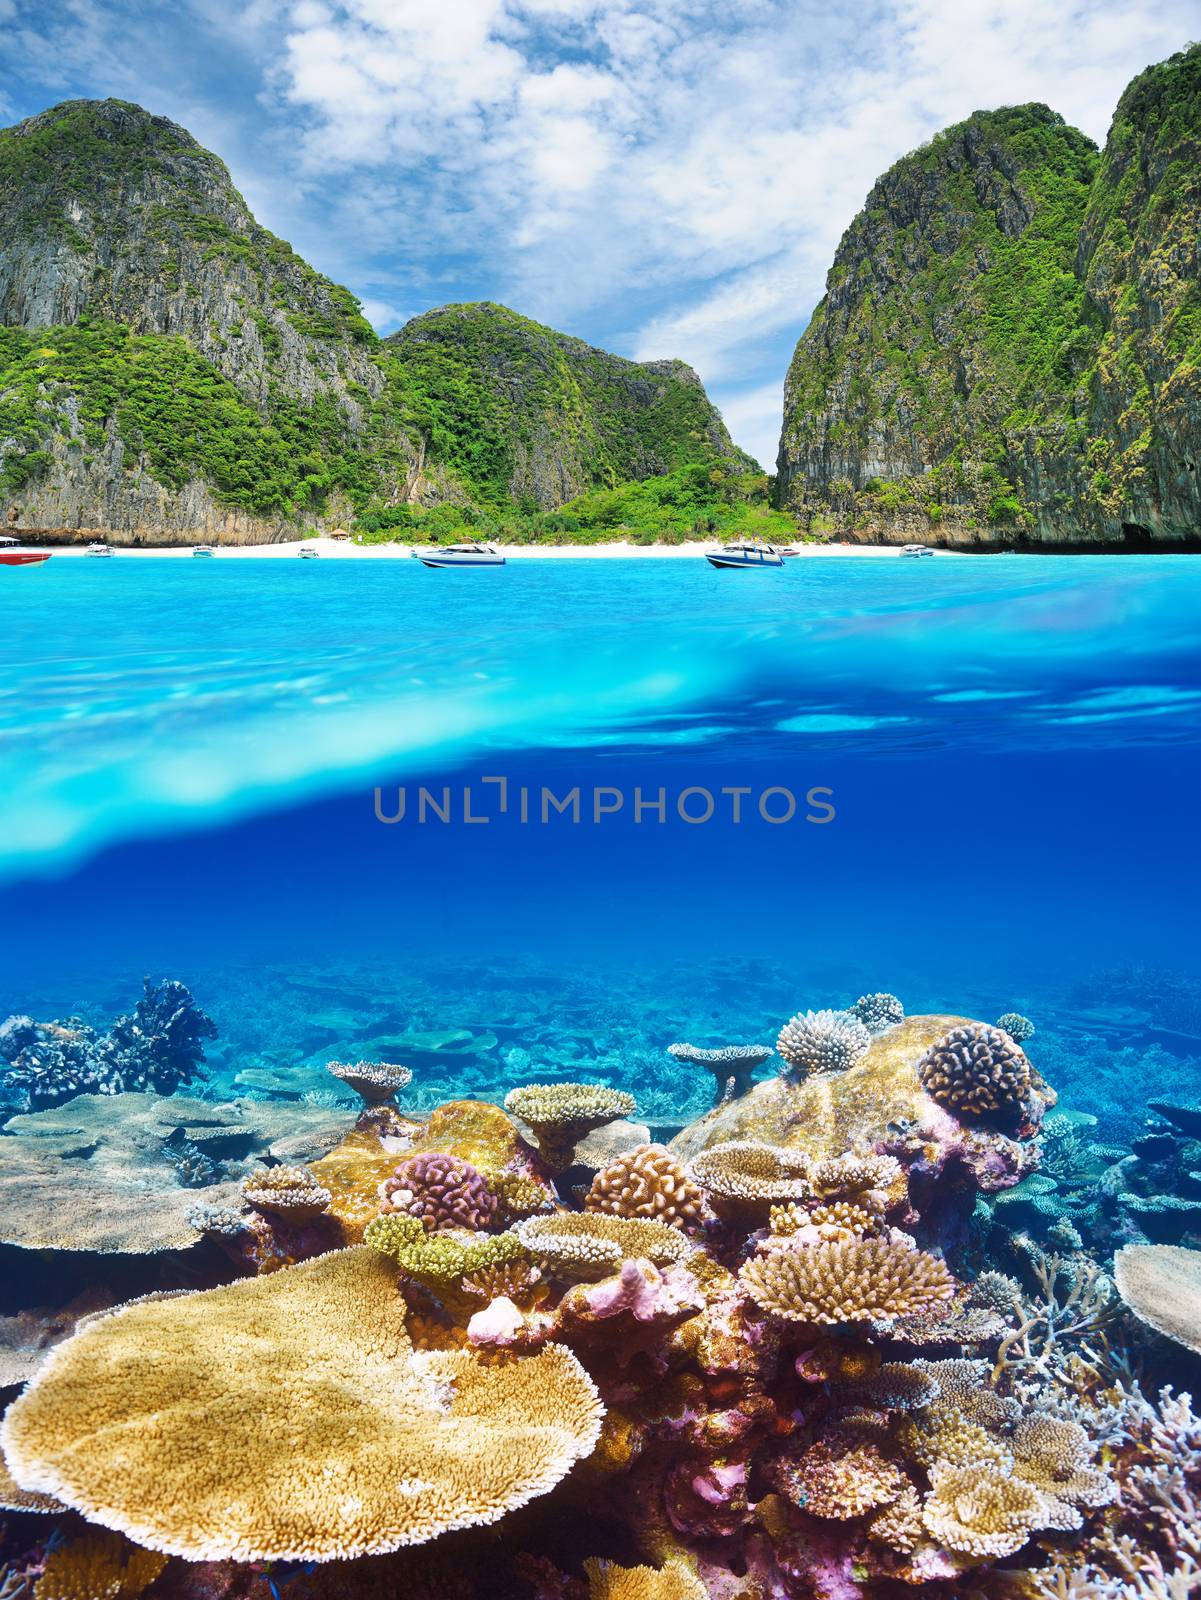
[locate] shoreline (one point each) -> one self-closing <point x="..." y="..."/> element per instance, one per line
<point x="344" y="550"/>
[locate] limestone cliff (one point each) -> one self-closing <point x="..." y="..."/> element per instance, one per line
<point x="1007" y="351"/>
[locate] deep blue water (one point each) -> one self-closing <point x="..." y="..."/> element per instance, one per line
<point x="1010" y="745"/>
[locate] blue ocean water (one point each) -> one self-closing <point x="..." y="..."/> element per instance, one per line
<point x="192" y="753"/>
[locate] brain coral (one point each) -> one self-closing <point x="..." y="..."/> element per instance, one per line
<point x="855" y="1280"/>
<point x="878" y="1011"/>
<point x="288" y="1417"/>
<point x="974" y="1069"/>
<point x="594" y="1244"/>
<point x="672" y="1582"/>
<point x="441" y="1191"/>
<point x="647" y="1182"/>
<point x="1161" y="1284"/>
<point x="979" y="1510"/>
<point x="821" y="1041"/>
<point x="561" y="1114"/>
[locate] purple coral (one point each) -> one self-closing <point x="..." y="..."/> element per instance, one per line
<point x="442" y="1191"/>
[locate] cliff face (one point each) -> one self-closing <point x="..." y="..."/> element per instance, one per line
<point x="1006" y="351"/>
<point x="170" y="368"/>
<point x="534" y="416"/>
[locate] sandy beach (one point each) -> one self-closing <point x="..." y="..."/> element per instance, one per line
<point x="347" y="550"/>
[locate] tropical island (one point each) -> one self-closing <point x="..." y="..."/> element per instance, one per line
<point x="1006" y="356"/>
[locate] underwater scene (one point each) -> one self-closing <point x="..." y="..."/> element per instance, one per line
<point x="601" y="1080"/>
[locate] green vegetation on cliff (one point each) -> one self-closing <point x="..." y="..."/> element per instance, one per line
<point x="1008" y="344"/>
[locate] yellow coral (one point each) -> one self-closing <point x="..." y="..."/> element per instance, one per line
<point x="561" y="1114"/>
<point x="672" y="1582"/>
<point x="97" y="1566"/>
<point x="519" y="1196"/>
<point x="288" y="1417"/>
<point x="647" y="1182"/>
<point x="979" y="1510"/>
<point x="441" y="1262"/>
<point x="594" y="1244"/>
<point x="839" y="1219"/>
<point x="859" y="1280"/>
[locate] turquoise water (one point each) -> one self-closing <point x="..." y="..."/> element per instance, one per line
<point x="1009" y="746"/>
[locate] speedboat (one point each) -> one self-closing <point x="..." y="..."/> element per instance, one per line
<point x="11" y="554"/>
<point x="916" y="550"/>
<point x="745" y="553"/>
<point x="460" y="555"/>
<point x="309" y="552"/>
<point x="98" y="549"/>
<point x="203" y="550"/>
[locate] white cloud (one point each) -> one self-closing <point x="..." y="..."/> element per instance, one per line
<point x="753" y="417"/>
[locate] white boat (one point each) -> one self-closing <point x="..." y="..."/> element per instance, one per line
<point x="203" y="550"/>
<point x="309" y="552"/>
<point x="98" y="550"/>
<point x="745" y="553"/>
<point x="460" y="555"/>
<point x="916" y="550"/>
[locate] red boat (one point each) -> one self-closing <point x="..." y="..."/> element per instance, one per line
<point x="16" y="557"/>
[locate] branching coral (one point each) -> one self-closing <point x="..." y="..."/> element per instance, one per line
<point x="733" y="1066"/>
<point x="290" y="1193"/>
<point x="575" y="1245"/>
<point x="441" y="1192"/>
<point x="974" y="1070"/>
<point x="647" y="1182"/>
<point x="878" y="1011"/>
<point x="288" y="1417"/>
<point x="861" y="1280"/>
<point x="375" y="1082"/>
<point x="821" y="1041"/>
<point x="561" y="1114"/>
<point x="1062" y="1322"/>
<point x="1018" y="1027"/>
<point x="745" y="1175"/>
<point x="441" y="1262"/>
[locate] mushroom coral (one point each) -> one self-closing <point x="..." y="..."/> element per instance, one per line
<point x="561" y="1114"/>
<point x="671" y="1582"/>
<point x="854" y="1280"/>
<point x="1161" y="1284"/>
<point x="647" y="1182"/>
<point x="289" y="1417"/>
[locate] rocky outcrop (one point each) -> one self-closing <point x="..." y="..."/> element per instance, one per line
<point x="1006" y="352"/>
<point x="169" y="368"/>
<point x="547" y="416"/>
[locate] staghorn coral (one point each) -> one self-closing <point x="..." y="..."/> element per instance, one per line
<point x="1062" y="1324"/>
<point x="97" y="1566"/>
<point x="288" y="1417"/>
<point x="733" y="1066"/>
<point x="1018" y="1027"/>
<point x="974" y="1070"/>
<point x="1161" y="1284"/>
<point x="606" y="1581"/>
<point x="878" y="1011"/>
<point x="441" y="1192"/>
<point x="561" y="1114"/>
<point x="821" y="1041"/>
<point x="744" y="1174"/>
<point x="291" y="1194"/>
<point x="647" y="1182"/>
<point x="587" y="1245"/>
<point x="377" y="1083"/>
<point x="860" y="1280"/>
<point x="843" y="1475"/>
<point x="978" y="1510"/>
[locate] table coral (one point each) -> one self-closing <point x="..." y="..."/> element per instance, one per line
<point x="978" y="1510"/>
<point x="376" y="1083"/>
<point x="288" y="1417"/>
<point x="733" y="1066"/>
<point x="748" y="1175"/>
<point x="607" y="1581"/>
<point x="647" y="1182"/>
<point x="289" y="1193"/>
<point x="586" y="1245"/>
<point x="560" y="1114"/>
<point x="1161" y="1284"/>
<point x="97" y="1566"/>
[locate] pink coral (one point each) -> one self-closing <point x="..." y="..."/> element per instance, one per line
<point x="442" y="1191"/>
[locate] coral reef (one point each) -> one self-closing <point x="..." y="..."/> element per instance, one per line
<point x="607" y="1581"/>
<point x="647" y="1182"/>
<point x="747" y="1175"/>
<point x="561" y="1114"/>
<point x="975" y="1070"/>
<point x="821" y="1041"/>
<point x="732" y="1065"/>
<point x="878" y="1011"/>
<point x="97" y="1566"/>
<point x="441" y="1191"/>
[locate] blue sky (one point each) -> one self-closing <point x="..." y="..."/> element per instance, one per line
<point x="661" y="177"/>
